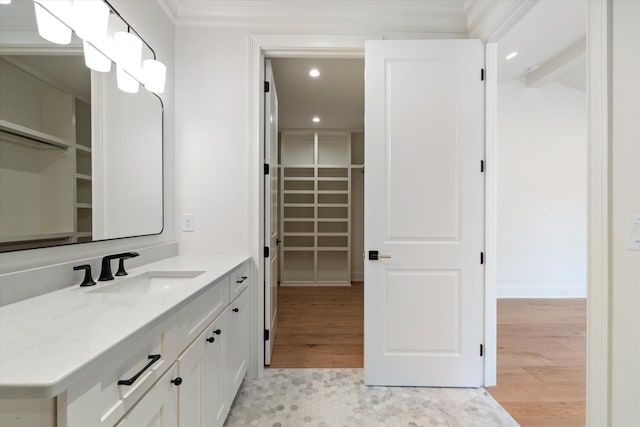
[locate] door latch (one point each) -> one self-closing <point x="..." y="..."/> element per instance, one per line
<point x="375" y="256"/>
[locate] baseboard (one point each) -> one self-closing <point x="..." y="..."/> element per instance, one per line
<point x="542" y="292"/>
<point x="357" y="276"/>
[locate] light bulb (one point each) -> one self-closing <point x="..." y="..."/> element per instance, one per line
<point x="92" y="19"/>
<point x="128" y="53"/>
<point x="155" y="73"/>
<point x="49" y="26"/>
<point x="95" y="60"/>
<point x="316" y="120"/>
<point x="314" y="72"/>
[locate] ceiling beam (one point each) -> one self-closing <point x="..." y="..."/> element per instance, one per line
<point x="566" y="60"/>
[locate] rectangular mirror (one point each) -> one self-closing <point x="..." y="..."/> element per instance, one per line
<point x="80" y="160"/>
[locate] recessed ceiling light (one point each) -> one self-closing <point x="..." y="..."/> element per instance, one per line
<point x="314" y="72"/>
<point x="511" y="56"/>
<point x="316" y="119"/>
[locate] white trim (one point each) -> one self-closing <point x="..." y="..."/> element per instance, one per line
<point x="491" y="213"/>
<point x="490" y="20"/>
<point x="542" y="292"/>
<point x="282" y="46"/>
<point x="598" y="316"/>
<point x="170" y="8"/>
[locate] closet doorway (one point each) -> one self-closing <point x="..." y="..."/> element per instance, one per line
<point x="317" y="305"/>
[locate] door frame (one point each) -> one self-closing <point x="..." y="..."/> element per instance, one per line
<point x="262" y="46"/>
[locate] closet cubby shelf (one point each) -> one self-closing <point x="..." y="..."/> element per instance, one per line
<point x="315" y="184"/>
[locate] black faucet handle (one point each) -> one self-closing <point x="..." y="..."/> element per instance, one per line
<point x="88" y="278"/>
<point x="127" y="255"/>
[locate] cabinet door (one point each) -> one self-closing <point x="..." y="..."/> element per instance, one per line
<point x="238" y="344"/>
<point x="159" y="407"/>
<point x="216" y="405"/>
<point x="202" y="395"/>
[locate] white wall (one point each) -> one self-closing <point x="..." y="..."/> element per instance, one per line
<point x="152" y="23"/>
<point x="542" y="191"/>
<point x="625" y="192"/>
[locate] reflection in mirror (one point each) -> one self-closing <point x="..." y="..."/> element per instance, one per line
<point x="80" y="160"/>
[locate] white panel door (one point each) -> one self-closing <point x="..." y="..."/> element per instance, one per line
<point x="271" y="235"/>
<point x="424" y="207"/>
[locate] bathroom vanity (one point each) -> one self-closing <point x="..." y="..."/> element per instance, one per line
<point x="168" y="345"/>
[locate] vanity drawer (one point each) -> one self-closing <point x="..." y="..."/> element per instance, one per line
<point x="240" y="279"/>
<point x="196" y="315"/>
<point x="141" y="366"/>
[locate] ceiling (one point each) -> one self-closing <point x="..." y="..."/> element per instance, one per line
<point x="336" y="96"/>
<point x="551" y="39"/>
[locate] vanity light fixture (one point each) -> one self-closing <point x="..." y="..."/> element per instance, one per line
<point x="316" y="119"/>
<point x="512" y="55"/>
<point x="57" y="19"/>
<point x="50" y="27"/>
<point x="314" y="72"/>
<point x="129" y="48"/>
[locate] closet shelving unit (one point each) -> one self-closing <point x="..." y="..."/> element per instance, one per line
<point x="316" y="208"/>
<point x="45" y="150"/>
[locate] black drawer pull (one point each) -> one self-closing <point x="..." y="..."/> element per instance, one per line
<point x="152" y="359"/>
<point x="217" y="331"/>
<point x="211" y="339"/>
<point x="235" y="310"/>
<point x="177" y="381"/>
<point x="242" y="279"/>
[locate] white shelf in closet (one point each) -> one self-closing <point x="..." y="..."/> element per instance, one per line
<point x="13" y="132"/>
<point x="314" y="194"/>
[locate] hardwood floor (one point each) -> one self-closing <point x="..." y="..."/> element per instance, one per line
<point x="320" y="327"/>
<point x="541" y="348"/>
<point x="541" y="361"/>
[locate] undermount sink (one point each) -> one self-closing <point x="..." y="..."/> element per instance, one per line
<point x="151" y="282"/>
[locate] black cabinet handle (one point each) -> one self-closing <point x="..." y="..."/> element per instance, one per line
<point x="235" y="310"/>
<point x="242" y="279"/>
<point x="217" y="332"/>
<point x="153" y="359"/>
<point x="177" y="381"/>
<point x="211" y="339"/>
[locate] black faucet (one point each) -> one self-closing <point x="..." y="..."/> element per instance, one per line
<point x="105" y="273"/>
<point x="88" y="280"/>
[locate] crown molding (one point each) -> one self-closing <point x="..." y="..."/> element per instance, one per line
<point x="170" y="8"/>
<point x="489" y="20"/>
<point x="351" y="16"/>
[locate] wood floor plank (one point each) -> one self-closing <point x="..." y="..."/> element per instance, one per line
<point x="541" y="361"/>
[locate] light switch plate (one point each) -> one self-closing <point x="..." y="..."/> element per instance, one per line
<point x="634" y="233"/>
<point x="188" y="222"/>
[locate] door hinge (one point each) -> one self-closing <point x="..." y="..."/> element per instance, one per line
<point x="266" y="251"/>
<point x="481" y="166"/>
<point x="481" y="75"/>
<point x="481" y="257"/>
<point x="266" y="168"/>
<point x="266" y="87"/>
<point x="481" y="349"/>
<point x="266" y="335"/>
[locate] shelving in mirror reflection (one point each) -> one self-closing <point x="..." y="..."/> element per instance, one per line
<point x="94" y="21"/>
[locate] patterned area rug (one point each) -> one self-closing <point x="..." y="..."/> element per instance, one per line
<point x="338" y="397"/>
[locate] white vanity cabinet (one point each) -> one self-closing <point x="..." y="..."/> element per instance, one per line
<point x="183" y="369"/>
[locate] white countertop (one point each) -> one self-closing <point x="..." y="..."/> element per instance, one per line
<point x="47" y="341"/>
